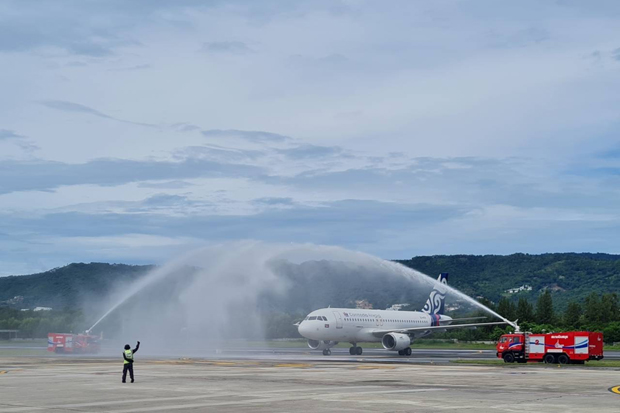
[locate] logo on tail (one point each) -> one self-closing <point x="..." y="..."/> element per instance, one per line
<point x="436" y="301"/>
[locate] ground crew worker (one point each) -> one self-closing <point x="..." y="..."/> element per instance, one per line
<point x="128" y="361"/>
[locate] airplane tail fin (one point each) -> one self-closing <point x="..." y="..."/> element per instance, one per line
<point x="436" y="301"/>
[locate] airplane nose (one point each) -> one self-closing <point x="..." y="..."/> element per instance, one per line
<point x="303" y="328"/>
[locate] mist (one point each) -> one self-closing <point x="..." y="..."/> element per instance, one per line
<point x="229" y="294"/>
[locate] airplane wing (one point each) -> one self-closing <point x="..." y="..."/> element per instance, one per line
<point x="462" y="319"/>
<point x="380" y="333"/>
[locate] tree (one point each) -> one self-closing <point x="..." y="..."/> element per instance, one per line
<point x="506" y="308"/>
<point x="497" y="333"/>
<point x="611" y="333"/>
<point x="525" y="311"/>
<point x="592" y="313"/>
<point x="572" y="315"/>
<point x="609" y="307"/>
<point x="544" y="308"/>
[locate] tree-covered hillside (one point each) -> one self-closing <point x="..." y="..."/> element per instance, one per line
<point x="68" y="286"/>
<point x="567" y="291"/>
<point x="569" y="276"/>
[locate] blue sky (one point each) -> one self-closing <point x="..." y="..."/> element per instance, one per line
<point x="135" y="131"/>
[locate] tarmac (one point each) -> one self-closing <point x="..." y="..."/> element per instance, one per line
<point x="299" y="382"/>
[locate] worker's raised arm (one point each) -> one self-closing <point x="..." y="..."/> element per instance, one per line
<point x="137" y="347"/>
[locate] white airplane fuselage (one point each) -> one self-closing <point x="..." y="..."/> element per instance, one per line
<point x="358" y="325"/>
<point x="395" y="330"/>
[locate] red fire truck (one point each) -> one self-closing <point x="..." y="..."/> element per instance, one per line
<point x="568" y="347"/>
<point x="73" y="343"/>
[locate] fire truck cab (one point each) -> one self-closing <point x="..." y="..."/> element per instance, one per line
<point x="557" y="348"/>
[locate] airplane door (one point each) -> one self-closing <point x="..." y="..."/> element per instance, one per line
<point x="338" y="319"/>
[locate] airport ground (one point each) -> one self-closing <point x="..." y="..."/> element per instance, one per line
<point x="287" y="380"/>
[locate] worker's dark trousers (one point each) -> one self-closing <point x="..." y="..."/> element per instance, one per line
<point x="127" y="367"/>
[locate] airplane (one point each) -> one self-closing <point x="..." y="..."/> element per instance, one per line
<point x="396" y="330"/>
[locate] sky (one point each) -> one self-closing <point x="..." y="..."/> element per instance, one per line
<point x="136" y="131"/>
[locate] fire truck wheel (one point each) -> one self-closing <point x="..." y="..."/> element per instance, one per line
<point x="563" y="359"/>
<point x="509" y="358"/>
<point x="549" y="359"/>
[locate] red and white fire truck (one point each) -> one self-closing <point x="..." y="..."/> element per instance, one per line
<point x="73" y="343"/>
<point x="562" y="348"/>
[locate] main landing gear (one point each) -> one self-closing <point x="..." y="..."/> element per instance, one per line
<point x="405" y="352"/>
<point x="327" y="352"/>
<point x="355" y="351"/>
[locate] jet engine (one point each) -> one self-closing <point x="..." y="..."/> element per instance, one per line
<point x="321" y="344"/>
<point x="396" y="341"/>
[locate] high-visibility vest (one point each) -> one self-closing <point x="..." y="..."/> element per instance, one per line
<point x="129" y="355"/>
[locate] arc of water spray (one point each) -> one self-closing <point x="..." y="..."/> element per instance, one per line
<point x="406" y="272"/>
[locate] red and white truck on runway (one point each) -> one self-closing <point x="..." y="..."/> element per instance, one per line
<point x="73" y="343"/>
<point x="559" y="348"/>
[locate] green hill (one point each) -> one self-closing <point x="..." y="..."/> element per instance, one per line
<point x="67" y="287"/>
<point x="569" y="276"/>
<point x="79" y="292"/>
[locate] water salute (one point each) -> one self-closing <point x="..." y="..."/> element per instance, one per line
<point x="326" y="205"/>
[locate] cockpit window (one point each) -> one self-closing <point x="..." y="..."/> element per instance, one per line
<point x="312" y="318"/>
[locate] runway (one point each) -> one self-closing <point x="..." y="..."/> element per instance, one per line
<point x="369" y="355"/>
<point x="419" y="355"/>
<point x="63" y="384"/>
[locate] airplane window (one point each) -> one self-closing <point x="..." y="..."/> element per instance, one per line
<point x="312" y="318"/>
<point x="324" y="318"/>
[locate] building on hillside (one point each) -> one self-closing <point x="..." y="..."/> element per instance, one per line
<point x="453" y="307"/>
<point x="363" y="304"/>
<point x="524" y="287"/>
<point x="397" y="307"/>
<point x="18" y="299"/>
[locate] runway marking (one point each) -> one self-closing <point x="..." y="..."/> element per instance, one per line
<point x="615" y="389"/>
<point x="384" y="367"/>
<point x="294" y="365"/>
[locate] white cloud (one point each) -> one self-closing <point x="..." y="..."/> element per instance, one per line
<point x="277" y="116"/>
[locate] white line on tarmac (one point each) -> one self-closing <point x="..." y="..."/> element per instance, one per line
<point x="363" y="389"/>
<point x="297" y="397"/>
